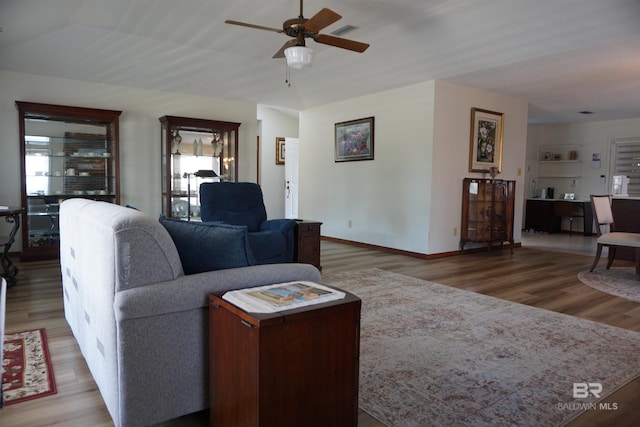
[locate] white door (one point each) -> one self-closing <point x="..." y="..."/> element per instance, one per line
<point x="291" y="161"/>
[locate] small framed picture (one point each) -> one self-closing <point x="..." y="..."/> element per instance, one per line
<point x="486" y="140"/>
<point x="354" y="140"/>
<point x="279" y="150"/>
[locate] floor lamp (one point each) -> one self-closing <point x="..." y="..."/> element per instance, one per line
<point x="202" y="173"/>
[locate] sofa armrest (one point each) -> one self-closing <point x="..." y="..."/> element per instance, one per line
<point x="191" y="292"/>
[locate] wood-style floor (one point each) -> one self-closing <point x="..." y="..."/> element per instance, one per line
<point x="538" y="277"/>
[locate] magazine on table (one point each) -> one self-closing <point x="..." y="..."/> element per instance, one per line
<point x="282" y="296"/>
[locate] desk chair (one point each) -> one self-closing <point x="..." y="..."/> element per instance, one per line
<point x="569" y="210"/>
<point x="603" y="217"/>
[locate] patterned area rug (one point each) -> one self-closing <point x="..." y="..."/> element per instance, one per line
<point x="439" y="356"/>
<point x="621" y="281"/>
<point x="27" y="367"/>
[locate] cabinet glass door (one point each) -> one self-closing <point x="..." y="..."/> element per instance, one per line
<point x="66" y="152"/>
<point x="500" y="196"/>
<point x="194" y="151"/>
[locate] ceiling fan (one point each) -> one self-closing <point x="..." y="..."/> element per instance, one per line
<point x="301" y="28"/>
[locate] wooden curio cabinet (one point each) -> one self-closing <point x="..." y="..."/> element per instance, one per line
<point x="65" y="152"/>
<point x="194" y="151"/>
<point x="487" y="212"/>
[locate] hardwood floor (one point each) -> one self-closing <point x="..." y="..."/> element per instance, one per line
<point x="540" y="278"/>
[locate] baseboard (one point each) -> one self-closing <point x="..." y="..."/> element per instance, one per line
<point x="412" y="254"/>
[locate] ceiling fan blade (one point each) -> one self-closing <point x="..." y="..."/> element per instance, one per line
<point x="340" y="42"/>
<point x="259" y="27"/>
<point x="280" y="53"/>
<point x="320" y="20"/>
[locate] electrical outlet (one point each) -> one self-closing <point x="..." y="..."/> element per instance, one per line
<point x="350" y="224"/>
<point x="519" y="171"/>
<point x="455" y="231"/>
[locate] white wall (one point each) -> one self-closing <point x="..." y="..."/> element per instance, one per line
<point x="273" y="123"/>
<point x="385" y="200"/>
<point x="410" y="196"/>
<point x="139" y="130"/>
<point x="453" y="105"/>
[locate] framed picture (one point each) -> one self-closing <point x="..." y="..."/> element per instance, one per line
<point x="354" y="140"/>
<point x="486" y="140"/>
<point x="279" y="151"/>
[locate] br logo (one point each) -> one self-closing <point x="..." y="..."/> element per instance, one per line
<point x="583" y="390"/>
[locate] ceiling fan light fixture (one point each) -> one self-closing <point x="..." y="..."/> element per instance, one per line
<point x="299" y="57"/>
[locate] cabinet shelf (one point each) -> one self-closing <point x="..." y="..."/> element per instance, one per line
<point x="66" y="152"/>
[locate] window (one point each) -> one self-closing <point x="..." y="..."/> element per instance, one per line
<point x="37" y="169"/>
<point x="625" y="160"/>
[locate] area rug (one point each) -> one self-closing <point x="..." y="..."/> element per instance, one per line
<point x="620" y="281"/>
<point x="434" y="355"/>
<point x="27" y="367"/>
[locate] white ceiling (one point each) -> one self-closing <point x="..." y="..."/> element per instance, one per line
<point x="562" y="56"/>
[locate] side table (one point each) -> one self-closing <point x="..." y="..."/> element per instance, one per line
<point x="9" y="271"/>
<point x="307" y="242"/>
<point x="293" y="368"/>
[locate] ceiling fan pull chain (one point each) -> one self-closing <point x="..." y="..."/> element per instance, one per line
<point x="287" y="77"/>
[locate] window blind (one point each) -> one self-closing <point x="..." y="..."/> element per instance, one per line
<point x="626" y="161"/>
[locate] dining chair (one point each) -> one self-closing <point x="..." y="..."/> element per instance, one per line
<point x="607" y="234"/>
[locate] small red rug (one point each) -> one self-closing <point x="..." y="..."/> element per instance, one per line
<point x="28" y="373"/>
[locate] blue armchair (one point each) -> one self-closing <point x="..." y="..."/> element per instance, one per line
<point x="241" y="203"/>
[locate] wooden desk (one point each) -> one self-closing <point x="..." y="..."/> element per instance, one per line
<point x="541" y="214"/>
<point x="293" y="368"/>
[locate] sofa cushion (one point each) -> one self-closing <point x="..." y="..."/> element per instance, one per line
<point x="209" y="246"/>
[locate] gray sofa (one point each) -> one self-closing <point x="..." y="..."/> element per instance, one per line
<point x="140" y="322"/>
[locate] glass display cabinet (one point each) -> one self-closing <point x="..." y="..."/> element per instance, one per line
<point x="65" y="152"/>
<point x="194" y="151"/>
<point x="487" y="212"/>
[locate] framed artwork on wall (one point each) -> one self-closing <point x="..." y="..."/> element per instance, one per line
<point x="354" y="140"/>
<point x="279" y="150"/>
<point x="486" y="140"/>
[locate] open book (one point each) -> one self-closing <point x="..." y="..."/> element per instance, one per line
<point x="281" y="296"/>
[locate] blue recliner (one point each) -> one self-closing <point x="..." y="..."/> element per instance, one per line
<point x="241" y="203"/>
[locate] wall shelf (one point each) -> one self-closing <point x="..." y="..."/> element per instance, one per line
<point x="558" y="161"/>
<point x="560" y="153"/>
<point x="560" y="177"/>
